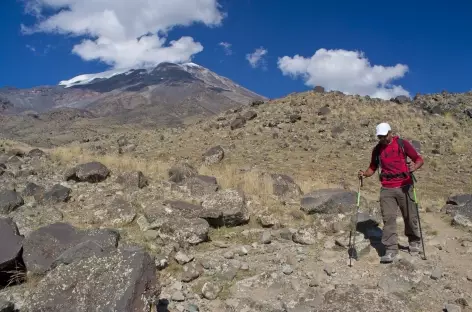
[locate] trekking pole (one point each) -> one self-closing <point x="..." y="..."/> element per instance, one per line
<point x="418" y="213"/>
<point x="352" y="249"/>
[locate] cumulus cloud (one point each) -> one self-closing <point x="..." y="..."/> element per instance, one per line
<point x="346" y="71"/>
<point x="227" y="47"/>
<point x="125" y="33"/>
<point x="256" y="58"/>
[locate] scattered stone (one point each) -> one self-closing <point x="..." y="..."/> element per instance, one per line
<point x="200" y="185"/>
<point x="237" y="123"/>
<point x="36" y="152"/>
<point x="268" y="221"/>
<point x="191" y="271"/>
<point x="249" y="115"/>
<point x="436" y="274"/>
<point x="324" y="111"/>
<point x="133" y="180"/>
<point x="178" y="296"/>
<point x="244" y="266"/>
<point x="10" y="250"/>
<point x="266" y="238"/>
<point x="402" y="99"/>
<point x="183" y="258"/>
<point x="287" y="269"/>
<point x="9" y="201"/>
<point x="318" y="89"/>
<point x="92" y="172"/>
<point x="214" y="155"/>
<point x="33" y="189"/>
<point x="220" y="244"/>
<point x="58" y="193"/>
<point x="303" y="237"/>
<point x="285" y="187"/>
<point x="462" y="301"/>
<point x="180" y="172"/>
<point x="132" y="289"/>
<point x="211" y="290"/>
<point x="329" y="270"/>
<point x="228" y="255"/>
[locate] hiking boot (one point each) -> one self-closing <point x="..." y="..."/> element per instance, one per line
<point x="414" y="248"/>
<point x="388" y="257"/>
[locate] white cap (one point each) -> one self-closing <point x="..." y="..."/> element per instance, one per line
<point x="383" y="128"/>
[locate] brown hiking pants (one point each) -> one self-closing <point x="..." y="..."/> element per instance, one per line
<point x="390" y="199"/>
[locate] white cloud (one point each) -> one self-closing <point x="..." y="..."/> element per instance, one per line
<point x="227" y="47"/>
<point x="126" y="33"/>
<point x="30" y="47"/>
<point x="346" y="71"/>
<point x="257" y="57"/>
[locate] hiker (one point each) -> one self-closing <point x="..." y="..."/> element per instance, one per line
<point x="396" y="190"/>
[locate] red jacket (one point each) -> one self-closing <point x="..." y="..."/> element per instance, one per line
<point x="392" y="161"/>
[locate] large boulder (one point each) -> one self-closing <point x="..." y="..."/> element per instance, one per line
<point x="122" y="280"/>
<point x="31" y="217"/>
<point x="44" y="245"/>
<point x="10" y="250"/>
<point x="176" y="222"/>
<point x="92" y="172"/>
<point x="329" y="201"/>
<point x="9" y="201"/>
<point x="225" y="208"/>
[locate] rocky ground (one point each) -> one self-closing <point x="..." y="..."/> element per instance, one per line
<point x="246" y="211"/>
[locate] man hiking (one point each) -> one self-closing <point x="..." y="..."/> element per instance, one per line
<point x="397" y="189"/>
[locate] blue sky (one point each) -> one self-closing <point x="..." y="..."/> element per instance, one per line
<point x="431" y="39"/>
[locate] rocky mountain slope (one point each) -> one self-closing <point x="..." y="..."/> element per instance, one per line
<point x="248" y="210"/>
<point x="164" y="95"/>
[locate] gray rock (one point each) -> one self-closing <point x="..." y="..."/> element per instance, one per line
<point x="178" y="296"/>
<point x="199" y="185"/>
<point x="92" y="172"/>
<point x="31" y="217"/>
<point x="459" y="200"/>
<point x="303" y="237"/>
<point x="44" y="245"/>
<point x="319" y="89"/>
<point x="191" y="271"/>
<point x="58" y="193"/>
<point x="180" y="172"/>
<point x="10" y="249"/>
<point x="249" y="115"/>
<point x="287" y="269"/>
<point x="180" y="229"/>
<point x="436" y="274"/>
<point x="211" y="290"/>
<point x="36" y="152"/>
<point x="81" y="251"/>
<point x="123" y="280"/>
<point x="452" y="308"/>
<point x="192" y="308"/>
<point x="285" y="187"/>
<point x="116" y="213"/>
<point x="324" y="111"/>
<point x="395" y="283"/>
<point x="133" y="180"/>
<point x="225" y="208"/>
<point x="9" y="201"/>
<point x="33" y="189"/>
<point x="329" y="201"/>
<point x="237" y="123"/>
<point x="266" y="237"/>
<point x="6" y="306"/>
<point x="402" y="99"/>
<point x="182" y="258"/>
<point x="214" y="155"/>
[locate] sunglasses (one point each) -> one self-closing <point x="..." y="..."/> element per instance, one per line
<point x="380" y="137"/>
